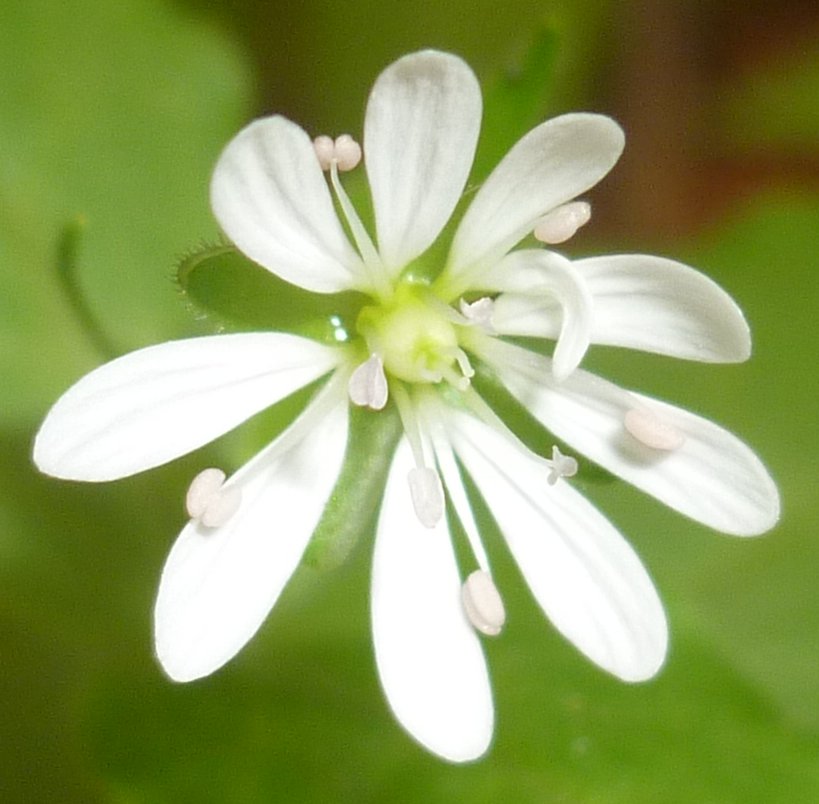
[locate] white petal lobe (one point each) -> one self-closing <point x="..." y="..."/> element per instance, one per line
<point x="153" y="405"/>
<point x="429" y="659"/>
<point x="270" y="198"/>
<point x="551" y="165"/>
<point x="585" y="576"/>
<point x="219" y="584"/>
<point x="711" y="476"/>
<point x="659" y="305"/>
<point x="551" y="278"/>
<point x="420" y="133"/>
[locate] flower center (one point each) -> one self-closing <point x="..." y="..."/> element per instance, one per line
<point x="416" y="341"/>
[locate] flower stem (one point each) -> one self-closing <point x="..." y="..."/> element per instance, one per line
<point x="65" y="263"/>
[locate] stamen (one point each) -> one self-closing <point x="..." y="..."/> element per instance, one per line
<point x="561" y="223"/>
<point x="434" y="424"/>
<point x="562" y="466"/>
<point x="479" y="312"/>
<point x="377" y="273"/>
<point x="368" y="384"/>
<point x="483" y="604"/>
<point x="409" y="421"/>
<point x="222" y="507"/>
<point x="202" y="490"/>
<point x="456" y="380"/>
<point x="347" y="152"/>
<point x="649" y="429"/>
<point x="448" y="373"/>
<point x="325" y="151"/>
<point x="427" y="495"/>
<point x="425" y="484"/>
<point x="208" y="502"/>
<point x="463" y="363"/>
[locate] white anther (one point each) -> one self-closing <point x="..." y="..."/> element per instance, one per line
<point x="649" y="429"/>
<point x="222" y="507"/>
<point x="208" y="501"/>
<point x="325" y="150"/>
<point x="562" y="466"/>
<point x="479" y="312"/>
<point x="368" y="384"/>
<point x="482" y="603"/>
<point x="427" y="495"/>
<point x="561" y="223"/>
<point x="202" y="490"/>
<point x="347" y="152"/>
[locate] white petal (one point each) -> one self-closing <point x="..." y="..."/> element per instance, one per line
<point x="420" y="132"/>
<point x="527" y="315"/>
<point x="457" y="494"/>
<point x="585" y="576"/>
<point x="545" y="275"/>
<point x="429" y="659"/>
<point x="219" y="584"/>
<point x="551" y="165"/>
<point x="153" y="405"/>
<point x="663" y="306"/>
<point x="712" y="477"/>
<point x="271" y="199"/>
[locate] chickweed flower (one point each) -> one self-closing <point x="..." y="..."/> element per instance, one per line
<point x="424" y="335"/>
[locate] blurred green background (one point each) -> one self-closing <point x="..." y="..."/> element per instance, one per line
<point x="111" y="117"/>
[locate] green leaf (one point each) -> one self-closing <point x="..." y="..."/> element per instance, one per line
<point x="236" y="293"/>
<point x="114" y="112"/>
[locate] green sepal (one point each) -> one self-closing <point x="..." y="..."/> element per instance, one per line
<point x="221" y="283"/>
<point x="355" y="500"/>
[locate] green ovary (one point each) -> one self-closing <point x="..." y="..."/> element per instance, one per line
<point x="415" y="342"/>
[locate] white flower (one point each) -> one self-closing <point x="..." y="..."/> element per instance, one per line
<point x="418" y="342"/>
